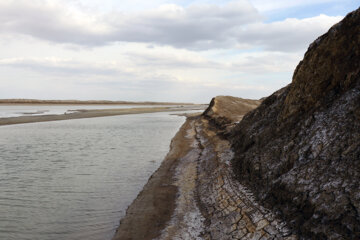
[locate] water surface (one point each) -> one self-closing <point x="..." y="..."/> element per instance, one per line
<point x="74" y="179"/>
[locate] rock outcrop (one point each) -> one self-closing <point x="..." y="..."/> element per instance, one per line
<point x="299" y="151"/>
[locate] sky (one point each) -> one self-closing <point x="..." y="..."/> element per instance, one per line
<point x="159" y="50"/>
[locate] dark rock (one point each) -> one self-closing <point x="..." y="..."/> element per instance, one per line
<point x="299" y="150"/>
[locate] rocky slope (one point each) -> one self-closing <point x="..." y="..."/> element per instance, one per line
<point x="299" y="151"/>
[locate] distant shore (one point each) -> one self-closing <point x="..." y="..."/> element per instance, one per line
<point x="86" y="102"/>
<point x="96" y="113"/>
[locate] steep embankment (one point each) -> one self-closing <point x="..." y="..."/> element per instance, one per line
<point x="193" y="194"/>
<point x="299" y="151"/>
<point x="225" y="111"/>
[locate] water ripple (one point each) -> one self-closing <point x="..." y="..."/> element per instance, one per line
<point x="74" y="179"/>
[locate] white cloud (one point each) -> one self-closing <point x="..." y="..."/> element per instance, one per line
<point x="64" y="66"/>
<point x="265" y="5"/>
<point x="288" y="35"/>
<point x="266" y="62"/>
<point x="198" y="27"/>
<point x="140" y="62"/>
<point x="187" y="52"/>
<point x="172" y="60"/>
<point x="51" y="21"/>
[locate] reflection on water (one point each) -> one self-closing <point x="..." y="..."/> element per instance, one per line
<point x="74" y="179"/>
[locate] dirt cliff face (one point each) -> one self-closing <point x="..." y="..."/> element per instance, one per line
<point x="225" y="111"/>
<point x="299" y="150"/>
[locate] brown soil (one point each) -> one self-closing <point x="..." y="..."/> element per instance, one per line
<point x="154" y="206"/>
<point x="225" y="111"/>
<point x="230" y="108"/>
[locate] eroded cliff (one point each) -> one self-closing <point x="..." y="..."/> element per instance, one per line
<point x="299" y="151"/>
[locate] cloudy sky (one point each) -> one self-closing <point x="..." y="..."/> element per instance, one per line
<point x="158" y="50"/>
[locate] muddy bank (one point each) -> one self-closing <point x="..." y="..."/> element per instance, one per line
<point x="194" y="195"/>
<point x="95" y="113"/>
<point x="148" y="215"/>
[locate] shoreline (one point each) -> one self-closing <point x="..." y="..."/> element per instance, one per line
<point x="95" y="113"/>
<point x="82" y="102"/>
<point x="194" y="195"/>
<point x="152" y="209"/>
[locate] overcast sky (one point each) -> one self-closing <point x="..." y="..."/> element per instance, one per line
<point x="158" y="50"/>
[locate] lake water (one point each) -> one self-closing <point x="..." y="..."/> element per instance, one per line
<point x="14" y="110"/>
<point x="74" y="179"/>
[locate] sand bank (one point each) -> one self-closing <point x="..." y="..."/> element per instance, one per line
<point x="95" y="113"/>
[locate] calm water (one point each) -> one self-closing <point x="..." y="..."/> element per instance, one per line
<point x="33" y="110"/>
<point x="74" y="179"/>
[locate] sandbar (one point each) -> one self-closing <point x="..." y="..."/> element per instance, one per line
<point x="96" y="113"/>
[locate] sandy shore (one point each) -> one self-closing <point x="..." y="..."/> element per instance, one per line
<point x="96" y="113"/>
